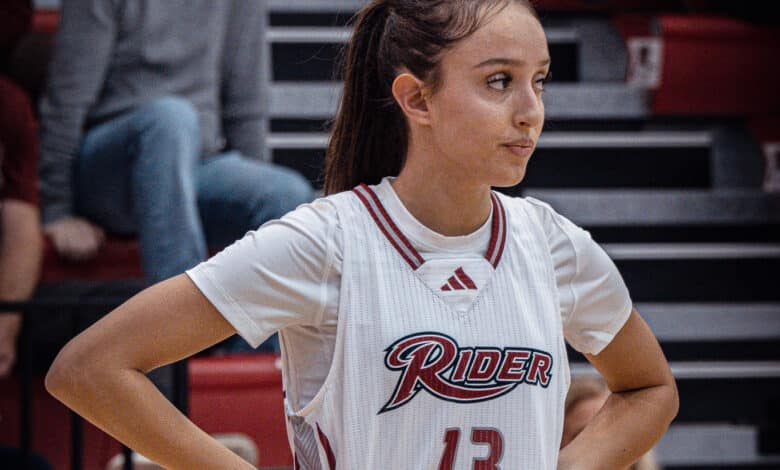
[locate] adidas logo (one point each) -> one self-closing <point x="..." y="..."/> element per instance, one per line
<point x="459" y="281"/>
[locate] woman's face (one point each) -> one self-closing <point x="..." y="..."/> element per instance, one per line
<point x="487" y="112"/>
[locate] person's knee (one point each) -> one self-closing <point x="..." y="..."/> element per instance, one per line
<point x="170" y="136"/>
<point x="170" y="114"/>
<point x="299" y="189"/>
<point x="290" y="190"/>
<point x="294" y="190"/>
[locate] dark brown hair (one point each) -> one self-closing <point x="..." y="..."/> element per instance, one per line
<point x="370" y="135"/>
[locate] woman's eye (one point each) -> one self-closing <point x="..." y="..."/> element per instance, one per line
<point x="499" y="81"/>
<point x="541" y="81"/>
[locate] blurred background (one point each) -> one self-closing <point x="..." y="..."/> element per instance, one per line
<point x="662" y="139"/>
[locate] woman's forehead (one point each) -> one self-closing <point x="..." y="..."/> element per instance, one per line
<point x="513" y="34"/>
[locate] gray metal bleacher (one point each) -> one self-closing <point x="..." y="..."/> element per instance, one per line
<point x="677" y="204"/>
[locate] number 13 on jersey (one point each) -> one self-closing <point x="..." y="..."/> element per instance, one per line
<point x="480" y="436"/>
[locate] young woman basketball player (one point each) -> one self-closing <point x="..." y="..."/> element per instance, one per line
<point x="422" y="316"/>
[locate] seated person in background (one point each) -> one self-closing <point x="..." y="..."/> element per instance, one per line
<point x="586" y="396"/>
<point x="20" y="232"/>
<point x="151" y="124"/>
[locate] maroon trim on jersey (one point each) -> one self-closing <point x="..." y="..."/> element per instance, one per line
<point x="326" y="446"/>
<point x="498" y="233"/>
<point x="404" y="247"/>
<point x="383" y="221"/>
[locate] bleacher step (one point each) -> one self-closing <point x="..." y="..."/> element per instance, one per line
<point x="690" y="251"/>
<point x="548" y="140"/>
<point x="702" y="444"/>
<point x="643" y="159"/>
<point x="315" y="5"/>
<point x="643" y="139"/>
<point x="605" y="100"/>
<point x="616" y="207"/>
<point x="691" y="322"/>
<point x="707" y="370"/>
<point x="340" y="35"/>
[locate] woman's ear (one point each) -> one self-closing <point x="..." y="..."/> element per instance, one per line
<point x="412" y="95"/>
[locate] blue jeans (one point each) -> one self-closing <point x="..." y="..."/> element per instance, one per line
<point x="142" y="173"/>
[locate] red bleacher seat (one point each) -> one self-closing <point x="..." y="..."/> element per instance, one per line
<point x="717" y="66"/>
<point x="242" y="393"/>
<point x="45" y="20"/>
<point x="633" y="24"/>
<point x="231" y="394"/>
<point x="119" y="258"/>
<point x="765" y="128"/>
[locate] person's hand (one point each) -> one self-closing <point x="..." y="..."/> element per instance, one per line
<point x="75" y="238"/>
<point x="10" y="325"/>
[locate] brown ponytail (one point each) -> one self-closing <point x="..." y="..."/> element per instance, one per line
<point x="367" y="120"/>
<point x="370" y="135"/>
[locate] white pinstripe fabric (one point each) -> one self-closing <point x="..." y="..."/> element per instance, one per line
<point x="383" y="299"/>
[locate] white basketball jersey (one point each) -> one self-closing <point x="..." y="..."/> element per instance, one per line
<point x="415" y="384"/>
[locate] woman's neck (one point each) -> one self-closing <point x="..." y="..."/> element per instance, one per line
<point x="442" y="199"/>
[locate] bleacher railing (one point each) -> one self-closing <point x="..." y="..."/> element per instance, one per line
<point x="31" y="310"/>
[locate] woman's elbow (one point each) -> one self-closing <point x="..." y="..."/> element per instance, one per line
<point x="670" y="401"/>
<point x="63" y="378"/>
<point x="674" y="406"/>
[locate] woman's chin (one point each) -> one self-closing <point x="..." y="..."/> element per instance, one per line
<point x="510" y="178"/>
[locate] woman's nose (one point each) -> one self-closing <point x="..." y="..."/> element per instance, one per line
<point x="529" y="108"/>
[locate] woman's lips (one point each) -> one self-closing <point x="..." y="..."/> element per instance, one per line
<point x="522" y="149"/>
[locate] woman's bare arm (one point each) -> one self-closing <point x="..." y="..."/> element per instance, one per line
<point x="21" y="249"/>
<point x="100" y="374"/>
<point x="642" y="404"/>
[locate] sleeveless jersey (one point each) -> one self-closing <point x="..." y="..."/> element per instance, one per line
<point x="415" y="384"/>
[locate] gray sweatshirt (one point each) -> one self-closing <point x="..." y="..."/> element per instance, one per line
<point x="113" y="55"/>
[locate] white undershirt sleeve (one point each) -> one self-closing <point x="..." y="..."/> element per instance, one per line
<point x="594" y="300"/>
<point x="273" y="277"/>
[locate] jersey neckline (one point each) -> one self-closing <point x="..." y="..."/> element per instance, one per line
<point x="405" y="248"/>
<point x="428" y="241"/>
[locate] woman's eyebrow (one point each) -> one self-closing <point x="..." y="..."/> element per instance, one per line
<point x="508" y="61"/>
